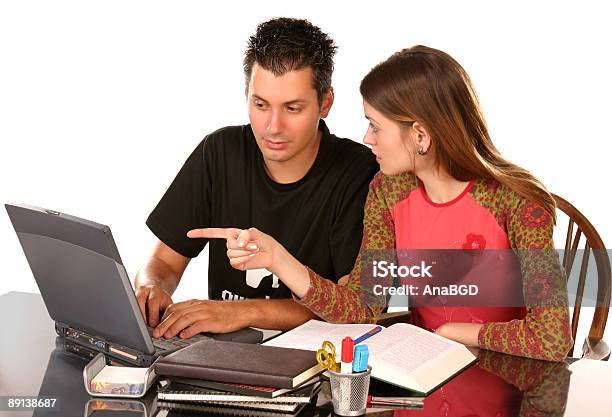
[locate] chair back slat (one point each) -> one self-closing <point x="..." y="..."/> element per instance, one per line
<point x="571" y="253"/>
<point x="594" y="245"/>
<point x="580" y="290"/>
<point x="568" y="244"/>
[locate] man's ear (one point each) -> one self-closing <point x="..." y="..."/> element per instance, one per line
<point x="326" y="103"/>
<point x="421" y="137"/>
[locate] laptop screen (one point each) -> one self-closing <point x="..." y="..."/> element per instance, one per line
<point x="80" y="275"/>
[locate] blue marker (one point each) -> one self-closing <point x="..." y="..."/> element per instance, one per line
<point x="360" y="359"/>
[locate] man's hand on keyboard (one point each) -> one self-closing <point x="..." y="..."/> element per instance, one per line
<point x="191" y="317"/>
<point x="152" y="299"/>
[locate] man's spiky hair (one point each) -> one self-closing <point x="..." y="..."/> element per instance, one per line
<point x="285" y="44"/>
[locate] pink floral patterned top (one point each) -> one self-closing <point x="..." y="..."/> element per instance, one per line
<point x="487" y="215"/>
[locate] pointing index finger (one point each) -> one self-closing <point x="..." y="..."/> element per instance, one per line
<point x="213" y="233"/>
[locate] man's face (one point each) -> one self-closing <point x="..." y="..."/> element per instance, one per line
<point x="284" y="112"/>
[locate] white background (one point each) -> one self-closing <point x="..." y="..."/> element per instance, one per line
<point x="100" y="103"/>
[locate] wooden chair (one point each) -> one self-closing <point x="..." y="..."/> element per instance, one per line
<point x="594" y="347"/>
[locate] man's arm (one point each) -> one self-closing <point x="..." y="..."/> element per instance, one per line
<point x="279" y="314"/>
<point x="188" y="318"/>
<point x="276" y="314"/>
<point x="157" y="280"/>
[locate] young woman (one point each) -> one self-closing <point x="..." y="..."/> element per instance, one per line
<point x="442" y="185"/>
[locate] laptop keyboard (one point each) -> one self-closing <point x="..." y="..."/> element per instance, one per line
<point x="173" y="343"/>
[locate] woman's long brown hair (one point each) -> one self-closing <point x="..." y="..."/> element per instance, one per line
<point x="428" y="86"/>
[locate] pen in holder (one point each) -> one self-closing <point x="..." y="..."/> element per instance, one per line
<point x="350" y="392"/>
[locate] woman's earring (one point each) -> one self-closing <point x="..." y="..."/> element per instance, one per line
<point x="421" y="151"/>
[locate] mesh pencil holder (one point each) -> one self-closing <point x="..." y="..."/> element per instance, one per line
<point x="350" y="392"/>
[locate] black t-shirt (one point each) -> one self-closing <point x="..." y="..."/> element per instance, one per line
<point x="223" y="183"/>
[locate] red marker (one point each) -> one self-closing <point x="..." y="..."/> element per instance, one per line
<point x="346" y="365"/>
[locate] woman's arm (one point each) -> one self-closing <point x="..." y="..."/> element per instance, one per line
<point x="544" y="333"/>
<point x="466" y="333"/>
<point x="354" y="302"/>
<point x="545" y="385"/>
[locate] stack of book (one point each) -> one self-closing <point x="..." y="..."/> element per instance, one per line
<point x="236" y="399"/>
<point x="238" y="379"/>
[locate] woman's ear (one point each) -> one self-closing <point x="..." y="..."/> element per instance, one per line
<point x="422" y="139"/>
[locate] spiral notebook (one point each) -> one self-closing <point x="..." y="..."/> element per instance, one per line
<point x="173" y="390"/>
<point x="178" y="392"/>
<point x="263" y="410"/>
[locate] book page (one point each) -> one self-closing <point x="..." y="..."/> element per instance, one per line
<point x="408" y="347"/>
<point x="311" y="335"/>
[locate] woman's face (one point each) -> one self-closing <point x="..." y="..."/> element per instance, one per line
<point x="392" y="145"/>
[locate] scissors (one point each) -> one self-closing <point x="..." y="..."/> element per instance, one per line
<point x="326" y="356"/>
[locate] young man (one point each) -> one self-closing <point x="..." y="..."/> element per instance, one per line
<point x="284" y="174"/>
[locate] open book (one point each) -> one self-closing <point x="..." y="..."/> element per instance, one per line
<point x="402" y="354"/>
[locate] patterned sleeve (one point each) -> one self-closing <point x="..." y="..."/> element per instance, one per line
<point x="544" y="333"/>
<point x="356" y="302"/>
<point x="545" y="384"/>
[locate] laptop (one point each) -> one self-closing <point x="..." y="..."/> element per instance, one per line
<point x="86" y="289"/>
